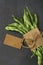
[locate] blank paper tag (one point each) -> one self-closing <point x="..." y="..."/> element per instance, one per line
<point x="13" y="41"/>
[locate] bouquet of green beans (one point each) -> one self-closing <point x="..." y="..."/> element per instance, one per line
<point x="24" y="25"/>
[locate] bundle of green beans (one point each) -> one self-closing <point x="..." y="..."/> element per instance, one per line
<point x="24" y="25"/>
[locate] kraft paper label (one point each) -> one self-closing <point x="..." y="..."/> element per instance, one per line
<point x="13" y="41"/>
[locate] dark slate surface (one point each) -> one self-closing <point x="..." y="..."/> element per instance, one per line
<point x="12" y="56"/>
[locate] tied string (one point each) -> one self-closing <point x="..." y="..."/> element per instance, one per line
<point x="32" y="42"/>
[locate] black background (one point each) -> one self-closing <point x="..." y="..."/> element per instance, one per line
<point x="12" y="56"/>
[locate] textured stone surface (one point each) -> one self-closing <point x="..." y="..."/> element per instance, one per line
<point x="12" y="56"/>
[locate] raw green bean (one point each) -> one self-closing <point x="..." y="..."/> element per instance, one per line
<point x="26" y="20"/>
<point x="30" y="14"/>
<point x="35" y="17"/>
<point x="20" y="22"/>
<point x="34" y="22"/>
<point x="39" y="60"/>
<point x="18" y="26"/>
<point x="13" y="29"/>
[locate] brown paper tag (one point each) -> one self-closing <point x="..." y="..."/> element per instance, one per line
<point x="33" y="39"/>
<point x="13" y="41"/>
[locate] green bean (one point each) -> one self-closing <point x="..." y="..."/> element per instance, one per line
<point x="30" y="14"/>
<point x="39" y="54"/>
<point x="18" y="26"/>
<point x="20" y="22"/>
<point x="35" y="20"/>
<point x="39" y="60"/>
<point x="26" y="20"/>
<point x="13" y="29"/>
<point x="35" y="17"/>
